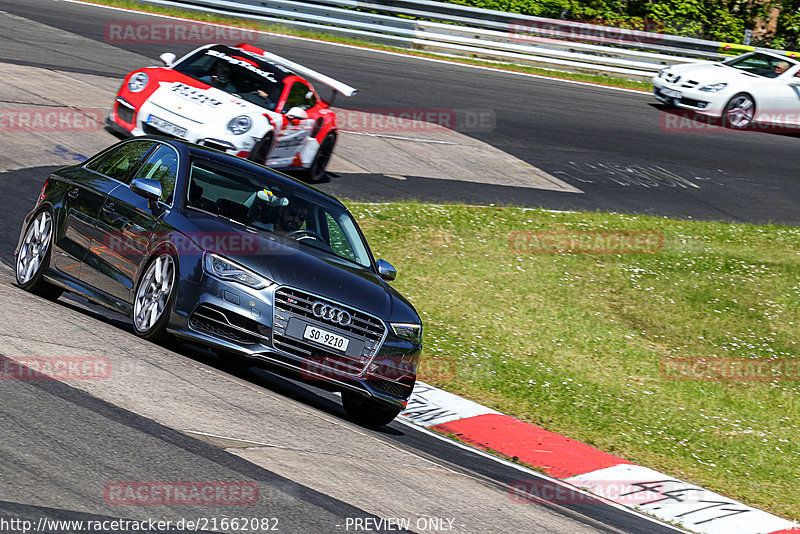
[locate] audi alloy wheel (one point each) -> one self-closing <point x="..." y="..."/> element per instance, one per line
<point x="33" y="257"/>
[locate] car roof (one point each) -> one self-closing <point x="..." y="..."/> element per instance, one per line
<point x="193" y="150"/>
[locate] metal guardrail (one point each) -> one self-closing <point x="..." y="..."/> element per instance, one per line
<point x="479" y="33"/>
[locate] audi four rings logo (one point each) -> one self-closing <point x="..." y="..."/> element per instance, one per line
<point x="330" y="313"/>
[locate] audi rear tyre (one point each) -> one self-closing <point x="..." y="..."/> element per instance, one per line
<point x="366" y="412"/>
<point x="33" y="257"/>
<point x="155" y="294"/>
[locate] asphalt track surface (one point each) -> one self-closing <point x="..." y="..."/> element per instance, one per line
<point x="610" y="144"/>
<point x="623" y="151"/>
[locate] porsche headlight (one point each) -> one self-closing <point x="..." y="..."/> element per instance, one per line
<point x="239" y="125"/>
<point x="138" y="82"/>
<point x="714" y="87"/>
<point x="409" y="331"/>
<point x="223" y="268"/>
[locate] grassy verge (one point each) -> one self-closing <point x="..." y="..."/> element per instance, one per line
<point x="286" y="30"/>
<point x="574" y="342"/>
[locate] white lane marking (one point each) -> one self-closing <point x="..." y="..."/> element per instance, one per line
<point x="253" y="443"/>
<point x="691" y="506"/>
<point x="401" y="138"/>
<point x="386" y="52"/>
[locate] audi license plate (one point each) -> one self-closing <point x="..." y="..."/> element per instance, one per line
<point x="166" y="126"/>
<point x="672" y="93"/>
<point x="329" y="339"/>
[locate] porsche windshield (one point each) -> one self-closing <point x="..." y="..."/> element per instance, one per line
<point x="262" y="203"/>
<point x="237" y="72"/>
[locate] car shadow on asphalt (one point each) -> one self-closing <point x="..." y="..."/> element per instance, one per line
<point x="255" y="374"/>
<point x="678" y="120"/>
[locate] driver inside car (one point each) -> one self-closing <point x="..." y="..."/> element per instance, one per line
<point x="275" y="213"/>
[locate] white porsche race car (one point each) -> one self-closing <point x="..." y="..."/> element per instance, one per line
<point x="757" y="87"/>
<point x="239" y="99"/>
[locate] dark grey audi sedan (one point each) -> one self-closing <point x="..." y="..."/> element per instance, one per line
<point x="198" y="244"/>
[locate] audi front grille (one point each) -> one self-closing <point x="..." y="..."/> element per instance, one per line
<point x="332" y="316"/>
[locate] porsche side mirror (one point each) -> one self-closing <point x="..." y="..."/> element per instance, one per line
<point x="297" y="114"/>
<point x="147" y="188"/>
<point x="386" y="271"/>
<point x="168" y="58"/>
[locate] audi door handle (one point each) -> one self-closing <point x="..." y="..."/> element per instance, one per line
<point x="108" y="208"/>
<point x="73" y="193"/>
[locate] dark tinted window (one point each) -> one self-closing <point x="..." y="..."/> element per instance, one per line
<point x="264" y="203"/>
<point x="120" y="163"/>
<point x="162" y="165"/>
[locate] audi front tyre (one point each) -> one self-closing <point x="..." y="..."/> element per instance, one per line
<point x="366" y="412"/>
<point x="155" y="294"/>
<point x="317" y="171"/>
<point x="33" y="257"/>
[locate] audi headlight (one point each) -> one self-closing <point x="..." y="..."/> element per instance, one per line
<point x="239" y="125"/>
<point x="138" y="82"/>
<point x="409" y="331"/>
<point x="223" y="268"/>
<point x="714" y="87"/>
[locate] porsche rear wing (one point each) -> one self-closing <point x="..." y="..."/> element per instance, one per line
<point x="336" y="85"/>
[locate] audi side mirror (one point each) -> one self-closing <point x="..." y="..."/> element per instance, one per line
<point x="147" y="188"/>
<point x="386" y="271"/>
<point x="168" y="58"/>
<point x="297" y="114"/>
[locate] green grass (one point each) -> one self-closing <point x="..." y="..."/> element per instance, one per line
<point x="572" y="342"/>
<point x="614" y="81"/>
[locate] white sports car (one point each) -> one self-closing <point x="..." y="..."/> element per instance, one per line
<point x="757" y="87"/>
<point x="239" y="99"/>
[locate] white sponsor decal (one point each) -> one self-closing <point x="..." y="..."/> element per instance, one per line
<point x="244" y="64"/>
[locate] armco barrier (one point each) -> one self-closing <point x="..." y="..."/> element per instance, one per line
<point x="480" y="33"/>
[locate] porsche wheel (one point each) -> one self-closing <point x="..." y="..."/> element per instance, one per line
<point x="366" y="412"/>
<point x="155" y="294"/>
<point x="261" y="151"/>
<point x="739" y="112"/>
<point x="316" y="173"/>
<point x="33" y="257"/>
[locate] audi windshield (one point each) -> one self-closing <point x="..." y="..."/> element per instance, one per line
<point x="262" y="204"/>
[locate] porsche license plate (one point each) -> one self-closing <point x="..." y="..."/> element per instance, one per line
<point x="672" y="93"/>
<point x="166" y="126"/>
<point x="329" y="339"/>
